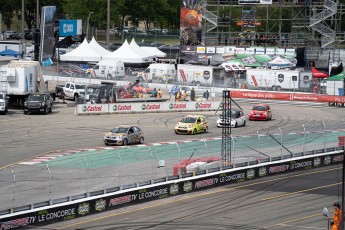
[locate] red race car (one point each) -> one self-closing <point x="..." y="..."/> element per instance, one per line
<point x="261" y="112"/>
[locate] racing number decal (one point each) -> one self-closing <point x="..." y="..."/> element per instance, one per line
<point x="204" y="125"/>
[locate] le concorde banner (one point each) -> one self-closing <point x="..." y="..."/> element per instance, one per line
<point x="254" y="1"/>
<point x="287" y="96"/>
<point x="115" y="201"/>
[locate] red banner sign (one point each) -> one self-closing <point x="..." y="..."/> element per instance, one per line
<point x="287" y="96"/>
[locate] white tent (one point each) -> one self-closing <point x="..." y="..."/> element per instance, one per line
<point x="98" y="48"/>
<point x="82" y="53"/>
<point x="126" y="54"/>
<point x="154" y="51"/>
<point x="280" y="62"/>
<point x="140" y="51"/>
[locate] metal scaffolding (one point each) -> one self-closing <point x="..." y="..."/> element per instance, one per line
<point x="226" y="129"/>
<point x="284" y="23"/>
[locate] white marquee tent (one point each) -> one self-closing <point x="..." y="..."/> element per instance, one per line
<point x="126" y="54"/>
<point x="154" y="51"/>
<point x="82" y="53"/>
<point x="98" y="48"/>
<point x="279" y="62"/>
<point x="140" y="51"/>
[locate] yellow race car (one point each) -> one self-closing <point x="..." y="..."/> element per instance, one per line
<point x="192" y="124"/>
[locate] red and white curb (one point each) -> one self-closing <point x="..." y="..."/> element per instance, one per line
<point x="60" y="153"/>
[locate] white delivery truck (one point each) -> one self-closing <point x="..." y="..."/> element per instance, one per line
<point x="109" y="69"/>
<point x="278" y="79"/>
<point x="20" y="78"/>
<point x="200" y="74"/>
<point x="158" y="72"/>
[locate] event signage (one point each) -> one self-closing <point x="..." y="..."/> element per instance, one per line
<point x="287" y="96"/>
<point x="70" y="27"/>
<point x="75" y="209"/>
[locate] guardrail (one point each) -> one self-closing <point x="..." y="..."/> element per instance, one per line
<point x="57" y="210"/>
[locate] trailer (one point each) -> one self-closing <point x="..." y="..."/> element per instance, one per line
<point x="200" y="74"/>
<point x="277" y="80"/>
<point x="20" y="78"/>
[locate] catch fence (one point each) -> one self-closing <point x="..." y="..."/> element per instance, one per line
<point x="66" y="175"/>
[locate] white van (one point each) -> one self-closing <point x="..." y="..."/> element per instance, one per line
<point x="109" y="69"/>
<point x="158" y="72"/>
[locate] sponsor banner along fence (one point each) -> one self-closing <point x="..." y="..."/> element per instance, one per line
<point x="146" y="107"/>
<point x="286" y="96"/>
<point x="82" y="109"/>
<point x="202" y="180"/>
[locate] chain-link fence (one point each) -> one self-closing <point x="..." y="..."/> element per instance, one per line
<point x="67" y="175"/>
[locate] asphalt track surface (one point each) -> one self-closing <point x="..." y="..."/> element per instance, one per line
<point x="27" y="136"/>
<point x="285" y="202"/>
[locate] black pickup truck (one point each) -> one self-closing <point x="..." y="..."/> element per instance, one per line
<point x="38" y="103"/>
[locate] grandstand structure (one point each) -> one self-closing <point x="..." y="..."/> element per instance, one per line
<point x="311" y="24"/>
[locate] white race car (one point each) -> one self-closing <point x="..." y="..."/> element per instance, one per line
<point x="236" y="118"/>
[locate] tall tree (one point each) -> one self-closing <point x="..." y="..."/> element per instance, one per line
<point x="7" y="11"/>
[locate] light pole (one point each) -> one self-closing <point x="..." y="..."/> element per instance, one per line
<point x="87" y="25"/>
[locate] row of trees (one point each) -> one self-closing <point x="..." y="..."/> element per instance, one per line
<point x="161" y="13"/>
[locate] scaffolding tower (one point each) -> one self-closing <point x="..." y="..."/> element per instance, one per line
<point x="284" y="23"/>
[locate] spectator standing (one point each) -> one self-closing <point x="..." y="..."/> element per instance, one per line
<point x="178" y="96"/>
<point x="184" y="96"/>
<point x="140" y="94"/>
<point x="159" y="94"/>
<point x="154" y="93"/>
<point x="192" y="95"/>
<point x="337" y="217"/>
<point x="206" y="95"/>
<point x="315" y="88"/>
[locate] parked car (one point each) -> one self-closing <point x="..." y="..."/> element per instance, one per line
<point x="260" y="112"/>
<point x="38" y="103"/>
<point x="7" y="34"/>
<point x="124" y="135"/>
<point x="16" y="36"/>
<point x="235" y="117"/>
<point x="192" y="124"/>
<point x="29" y="35"/>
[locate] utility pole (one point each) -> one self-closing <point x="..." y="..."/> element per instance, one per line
<point x="108" y="22"/>
<point x="37" y="13"/>
<point x="22" y="28"/>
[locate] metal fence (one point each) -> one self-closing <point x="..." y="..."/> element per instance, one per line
<point x="67" y="175"/>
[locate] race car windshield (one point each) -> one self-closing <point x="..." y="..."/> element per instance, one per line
<point x="228" y="113"/>
<point x="260" y="108"/>
<point x="119" y="130"/>
<point x="188" y="120"/>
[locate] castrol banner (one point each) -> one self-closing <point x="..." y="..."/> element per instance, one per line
<point x="92" y="109"/>
<point x="287" y="96"/>
<point x="147" y="107"/>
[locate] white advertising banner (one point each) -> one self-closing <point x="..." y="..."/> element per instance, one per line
<point x="280" y="51"/>
<point x="200" y="49"/>
<point x="211" y="50"/>
<point x="230" y="49"/>
<point x="93" y="109"/>
<point x="146" y="107"/>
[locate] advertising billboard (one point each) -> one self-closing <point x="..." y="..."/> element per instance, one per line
<point x="190" y="23"/>
<point x="48" y="28"/>
<point x="70" y="27"/>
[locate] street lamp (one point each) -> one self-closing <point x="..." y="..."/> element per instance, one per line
<point x="87" y="25"/>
